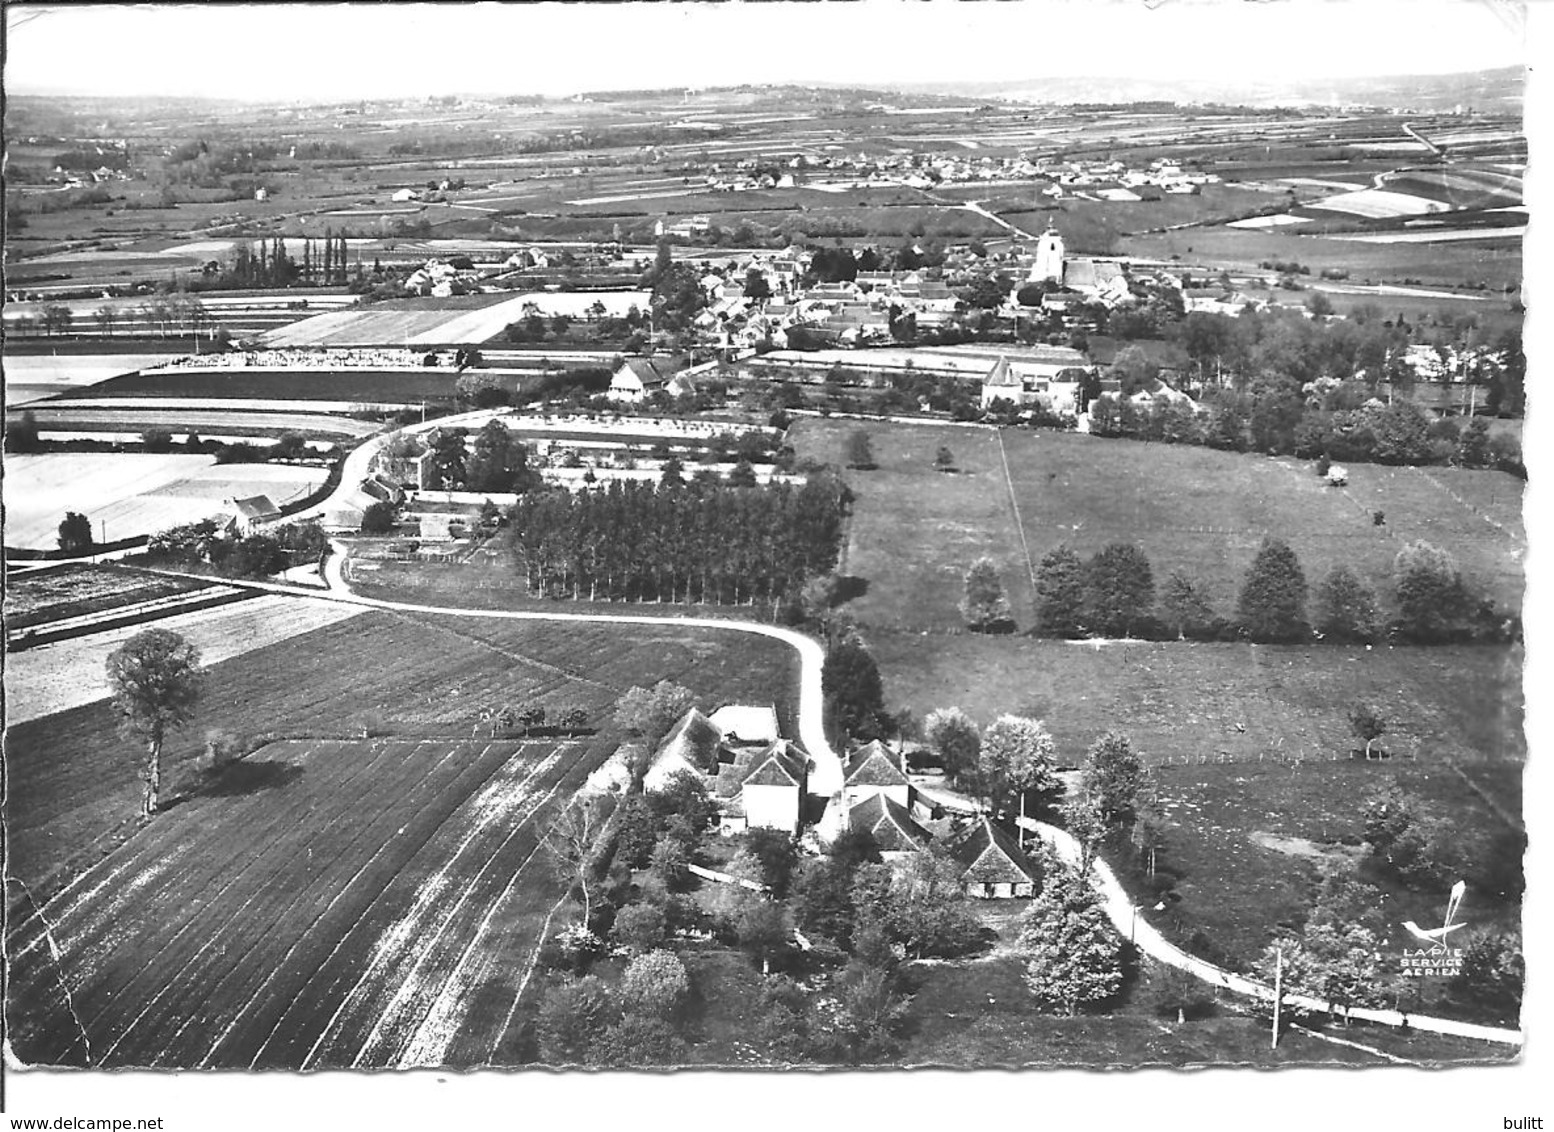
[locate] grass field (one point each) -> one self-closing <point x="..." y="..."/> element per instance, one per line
<point x="1245" y="843"/>
<point x="915" y="530"/>
<point x="73" y="784"/>
<point x="1181" y="701"/>
<point x="133" y="494"/>
<point x="323" y="905"/>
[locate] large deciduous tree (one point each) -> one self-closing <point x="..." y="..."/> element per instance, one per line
<point x="1272" y="603"/>
<point x="155" y="678"/>
<point x="1072" y="955"/>
<point x="984" y="606"/>
<point x="955" y="739"/>
<point x="1346" y="610"/>
<point x="498" y="462"/>
<point x="1016" y="761"/>
<point x="1184" y="608"/>
<point x="1119" y="591"/>
<point x="75" y="532"/>
<point x="1431" y="597"/>
<point x="1110" y="776"/>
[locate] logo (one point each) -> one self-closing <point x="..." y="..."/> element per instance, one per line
<point x="1436" y="955"/>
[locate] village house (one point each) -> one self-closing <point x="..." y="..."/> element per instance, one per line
<point x="993" y="866"/>
<point x="896" y="833"/>
<point x="249" y="515"/>
<point x="639" y="378"/>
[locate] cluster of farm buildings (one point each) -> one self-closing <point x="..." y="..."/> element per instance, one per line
<point x="760" y="780"/>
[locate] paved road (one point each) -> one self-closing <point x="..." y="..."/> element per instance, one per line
<point x="1147" y="938"/>
<point x="1128" y="921"/>
<point x="825" y="779"/>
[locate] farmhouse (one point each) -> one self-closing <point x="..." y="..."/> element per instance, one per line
<point x="692" y="745"/>
<point x="248" y="515"/>
<point x="639" y="378"/>
<point x="875" y="770"/>
<point x="891" y="824"/>
<point x="993" y="866"/>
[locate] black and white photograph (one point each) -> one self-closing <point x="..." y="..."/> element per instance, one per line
<point x="767" y="537"/>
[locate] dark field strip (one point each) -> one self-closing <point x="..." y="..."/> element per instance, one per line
<point x="78" y="590"/>
<point x="243" y="958"/>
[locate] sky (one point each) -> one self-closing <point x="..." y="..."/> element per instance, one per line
<point x="391" y="50"/>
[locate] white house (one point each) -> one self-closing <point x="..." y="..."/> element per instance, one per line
<point x="404" y="196"/>
<point x="639" y="378"/>
<point x="250" y="514"/>
<point x="772" y="793"/>
<point x="872" y="770"/>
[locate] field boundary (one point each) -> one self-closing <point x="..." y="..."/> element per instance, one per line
<point x="1019" y="523"/>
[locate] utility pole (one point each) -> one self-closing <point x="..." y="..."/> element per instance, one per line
<point x="1278" y="992"/>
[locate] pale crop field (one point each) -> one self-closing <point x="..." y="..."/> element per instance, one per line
<point x="132" y="493"/>
<point x="69" y="674"/>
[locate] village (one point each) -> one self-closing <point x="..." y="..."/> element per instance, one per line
<point x="767" y="575"/>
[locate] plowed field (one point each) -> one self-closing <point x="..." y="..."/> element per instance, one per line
<point x="327" y="904"/>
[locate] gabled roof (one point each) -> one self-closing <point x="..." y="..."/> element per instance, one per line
<point x="646" y="371"/>
<point x="988" y="855"/>
<point x="893" y="828"/>
<point x="695" y="739"/>
<point x="874" y="765"/>
<point x="255" y="507"/>
<point x="781" y="764"/>
<point x="1001" y="376"/>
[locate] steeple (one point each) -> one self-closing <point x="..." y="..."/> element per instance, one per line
<point x="1049" y="257"/>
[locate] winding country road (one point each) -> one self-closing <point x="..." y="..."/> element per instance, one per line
<point x="827" y="779"/>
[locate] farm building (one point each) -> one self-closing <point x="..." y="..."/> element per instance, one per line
<point x="692" y="745"/>
<point x="993" y="866"/>
<point x="1029" y="385"/>
<point x="772" y="792"/>
<point x="875" y="770"/>
<point x="248" y="515"/>
<point x="891" y="825"/>
<point x="639" y="378"/>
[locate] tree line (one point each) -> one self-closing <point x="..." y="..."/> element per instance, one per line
<point x="1114" y="593"/>
<point x="699" y="542"/>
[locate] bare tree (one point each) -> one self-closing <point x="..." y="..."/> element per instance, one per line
<point x="570" y="843"/>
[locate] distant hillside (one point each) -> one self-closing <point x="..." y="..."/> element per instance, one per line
<point x="1497" y="91"/>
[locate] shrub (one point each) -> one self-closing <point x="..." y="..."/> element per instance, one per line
<point x="639" y="928"/>
<point x="655" y="985"/>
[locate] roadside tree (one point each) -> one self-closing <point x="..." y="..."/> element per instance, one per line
<point x="1110" y="776"/>
<point x="854" y="693"/>
<point x="75" y="532"/>
<point x="1016" y="762"/>
<point x="155" y="680"/>
<point x="1073" y="958"/>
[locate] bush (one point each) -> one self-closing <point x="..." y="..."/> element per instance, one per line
<point x="222" y="748"/>
<point x="379" y="518"/>
<point x="639" y="928"/>
<point x="655" y="986"/>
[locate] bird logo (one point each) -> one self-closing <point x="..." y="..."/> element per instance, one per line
<point x="1437" y="936"/>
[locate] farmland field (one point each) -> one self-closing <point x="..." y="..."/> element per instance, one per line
<point x="422" y="325"/>
<point x="134" y="494"/>
<point x="915" y="531"/>
<point x="51" y="594"/>
<point x="33" y="377"/>
<point x="323" y="904"/>
<point x="73" y="785"/>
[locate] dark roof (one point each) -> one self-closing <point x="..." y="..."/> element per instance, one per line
<point x="893" y="828"/>
<point x="874" y="765"/>
<point x="256" y="507"/>
<point x="695" y="739"/>
<point x="988" y="855"/>
<point x="781" y="764"/>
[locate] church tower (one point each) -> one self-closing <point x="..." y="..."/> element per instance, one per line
<point x="1049" y="257"/>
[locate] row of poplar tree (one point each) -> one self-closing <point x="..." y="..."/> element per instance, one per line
<point x="700" y="542"/>
<point x="269" y="265"/>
